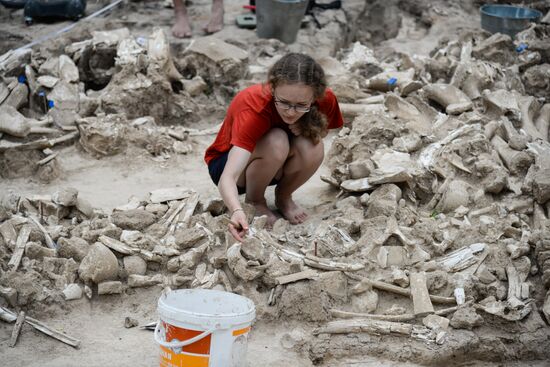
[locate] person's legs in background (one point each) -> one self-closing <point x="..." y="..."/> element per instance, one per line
<point x="216" y="17"/>
<point x="182" y="27"/>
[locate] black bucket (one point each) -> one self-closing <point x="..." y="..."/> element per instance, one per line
<point x="507" y="19"/>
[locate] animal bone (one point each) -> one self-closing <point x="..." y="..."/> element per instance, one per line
<point x="366" y="283"/>
<point x="13" y="123"/>
<point x="501" y="103"/>
<point x="543" y="121"/>
<point x="515" y="140"/>
<point x="409" y="113"/>
<point x="450" y="97"/>
<point x="529" y="106"/>
<point x="516" y="161"/>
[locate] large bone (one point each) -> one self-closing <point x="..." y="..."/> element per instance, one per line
<point x="13" y="123"/>
<point x="529" y="107"/>
<point x="420" y="296"/>
<point x="403" y="80"/>
<point x="517" y="273"/>
<point x="352" y="109"/>
<point x="502" y="103"/>
<point x="375" y="327"/>
<point x="409" y="113"/>
<point x="473" y="76"/>
<point x="450" y="97"/>
<point x="516" y="161"/>
<point x="543" y="121"/>
<point x="158" y="50"/>
<point x="515" y="140"/>
<point x="366" y="283"/>
<point x="400" y="318"/>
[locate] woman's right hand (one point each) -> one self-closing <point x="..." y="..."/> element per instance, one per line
<point x="238" y="225"/>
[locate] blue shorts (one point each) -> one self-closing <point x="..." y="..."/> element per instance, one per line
<point x="216" y="167"/>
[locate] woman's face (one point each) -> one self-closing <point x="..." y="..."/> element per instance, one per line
<point x="292" y="101"/>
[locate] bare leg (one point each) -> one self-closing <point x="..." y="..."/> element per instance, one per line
<point x="304" y="159"/>
<point x="182" y="27"/>
<point x="216" y="18"/>
<point x="265" y="163"/>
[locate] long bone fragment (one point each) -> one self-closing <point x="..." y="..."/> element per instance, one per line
<point x="473" y="76"/>
<point x="22" y="239"/>
<point x="419" y="293"/>
<point x="42" y="143"/>
<point x="309" y="260"/>
<point x="516" y="161"/>
<point x="366" y="283"/>
<point x="13" y="123"/>
<point x="393" y="229"/>
<point x="515" y="140"/>
<point x="400" y="318"/>
<point x="543" y="121"/>
<point x="406" y="111"/>
<point x="449" y="97"/>
<point x="462" y="258"/>
<point x="501" y="103"/>
<point x="375" y="327"/>
<point x="529" y="106"/>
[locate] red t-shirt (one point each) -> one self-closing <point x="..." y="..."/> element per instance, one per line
<point x="252" y="113"/>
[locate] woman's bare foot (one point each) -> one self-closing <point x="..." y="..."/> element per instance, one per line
<point x="263" y="209"/>
<point x="216" y="18"/>
<point x="292" y="212"/>
<point x="182" y="28"/>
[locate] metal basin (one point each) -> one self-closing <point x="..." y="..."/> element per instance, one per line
<point x="507" y="19"/>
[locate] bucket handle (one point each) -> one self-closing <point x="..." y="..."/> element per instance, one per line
<point x="179" y="344"/>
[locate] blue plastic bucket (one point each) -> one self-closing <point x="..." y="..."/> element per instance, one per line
<point x="507" y="19"/>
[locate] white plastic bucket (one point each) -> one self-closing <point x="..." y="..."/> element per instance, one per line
<point x="203" y="328"/>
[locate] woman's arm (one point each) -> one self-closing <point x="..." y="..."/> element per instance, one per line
<point x="235" y="166"/>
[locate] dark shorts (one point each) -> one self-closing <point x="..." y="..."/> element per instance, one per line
<point x="216" y="167"/>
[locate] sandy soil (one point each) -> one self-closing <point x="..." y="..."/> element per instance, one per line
<point x="109" y="182"/>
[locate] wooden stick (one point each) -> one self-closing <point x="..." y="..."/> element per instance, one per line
<point x="75" y="343"/>
<point x="420" y="296"/>
<point x="22" y="240"/>
<point x="38" y="325"/>
<point x="398" y="290"/>
<point x="17" y="329"/>
<point x="49" y="240"/>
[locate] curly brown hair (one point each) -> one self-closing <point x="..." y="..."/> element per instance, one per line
<point x="297" y="68"/>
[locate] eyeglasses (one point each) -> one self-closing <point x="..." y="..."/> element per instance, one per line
<point x="287" y="106"/>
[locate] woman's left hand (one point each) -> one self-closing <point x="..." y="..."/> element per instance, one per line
<point x="295" y="129"/>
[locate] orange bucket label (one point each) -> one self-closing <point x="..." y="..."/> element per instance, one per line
<point x="196" y="354"/>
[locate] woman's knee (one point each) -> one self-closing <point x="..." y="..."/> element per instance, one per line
<point x="306" y="150"/>
<point x="275" y="145"/>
